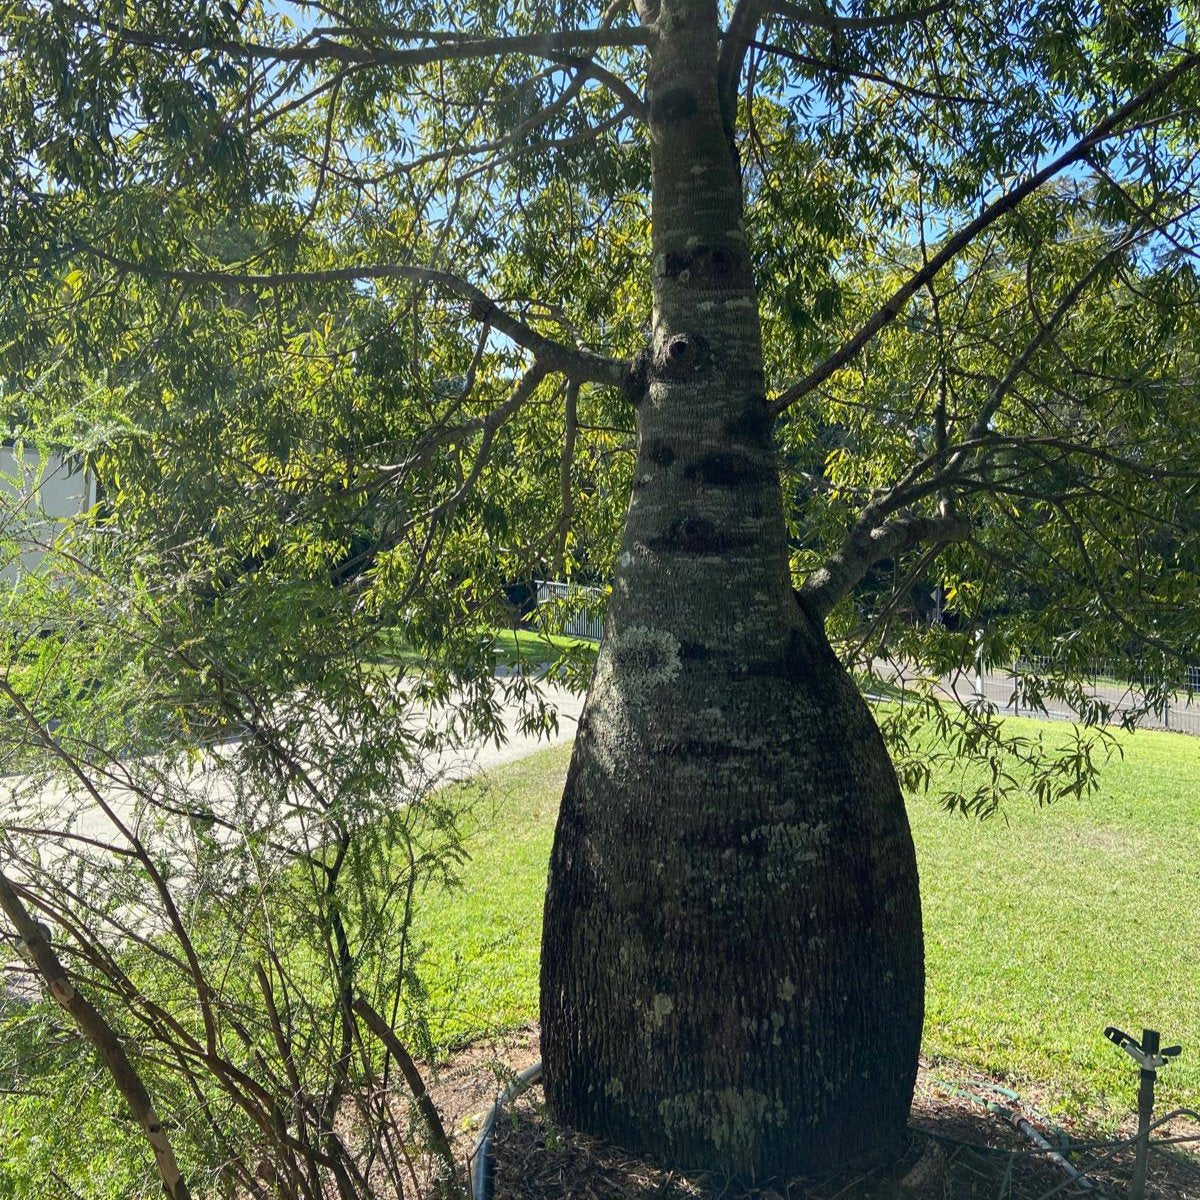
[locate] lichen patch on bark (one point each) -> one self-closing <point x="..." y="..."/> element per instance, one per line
<point x="644" y="659"/>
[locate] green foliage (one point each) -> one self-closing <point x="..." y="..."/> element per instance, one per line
<point x="203" y="301"/>
<point x="256" y="891"/>
<point x="59" y="1116"/>
<point x="220" y="807"/>
<point x="336" y="314"/>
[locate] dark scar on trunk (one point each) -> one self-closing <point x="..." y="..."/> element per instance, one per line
<point x="723" y="468"/>
<point x="678" y="103"/>
<point x="752" y="425"/>
<point x="706" y="265"/>
<point x="660" y="452"/>
<point x="696" y="535"/>
<point x="696" y="750"/>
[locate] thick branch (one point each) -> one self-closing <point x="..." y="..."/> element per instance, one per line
<point x="96" y="1029"/>
<point x="615" y="84"/>
<point x="896" y="302"/>
<point x="821" y="18"/>
<point x="448" y="46"/>
<point x="741" y="32"/>
<point x="580" y="365"/>
<point x="865" y="546"/>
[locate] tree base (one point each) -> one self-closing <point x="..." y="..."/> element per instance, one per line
<point x="732" y="971"/>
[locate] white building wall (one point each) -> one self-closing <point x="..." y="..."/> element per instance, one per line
<point x="35" y="499"/>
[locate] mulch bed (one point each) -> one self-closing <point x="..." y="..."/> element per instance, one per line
<point x="958" y="1150"/>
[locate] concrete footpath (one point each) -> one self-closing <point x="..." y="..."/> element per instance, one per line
<point x="53" y="811"/>
<point x="53" y="822"/>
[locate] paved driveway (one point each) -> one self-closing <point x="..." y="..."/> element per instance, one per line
<point x="208" y="788"/>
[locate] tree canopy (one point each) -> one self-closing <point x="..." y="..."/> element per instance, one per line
<point x="419" y="240"/>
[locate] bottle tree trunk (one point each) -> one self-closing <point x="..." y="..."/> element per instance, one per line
<point x="732" y="967"/>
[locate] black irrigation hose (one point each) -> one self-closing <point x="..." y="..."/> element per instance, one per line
<point x="483" y="1163"/>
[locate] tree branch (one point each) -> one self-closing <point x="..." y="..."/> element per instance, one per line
<point x="905" y="89"/>
<point x="438" y="1140"/>
<point x="820" y="18"/>
<point x="615" y="84"/>
<point x="1045" y="332"/>
<point x="97" y="1030"/>
<point x="868" y="544"/>
<point x="565" y="467"/>
<point x="739" y="35"/>
<point x="580" y="365"/>
<point x="318" y="47"/>
<point x="748" y="15"/>
<point x="437" y="517"/>
<point x="896" y="302"/>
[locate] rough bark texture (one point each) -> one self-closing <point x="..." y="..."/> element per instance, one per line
<point x="732" y="966"/>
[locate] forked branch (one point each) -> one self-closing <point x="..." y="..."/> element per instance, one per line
<point x="869" y="544"/>
<point x="748" y="15"/>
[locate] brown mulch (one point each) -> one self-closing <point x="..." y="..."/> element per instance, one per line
<point x="958" y="1150"/>
<point x="465" y="1088"/>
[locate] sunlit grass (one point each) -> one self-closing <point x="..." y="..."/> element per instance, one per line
<point x="526" y="648"/>
<point x="1042" y="925"/>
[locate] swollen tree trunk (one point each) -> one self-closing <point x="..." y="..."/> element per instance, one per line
<point x="732" y="966"/>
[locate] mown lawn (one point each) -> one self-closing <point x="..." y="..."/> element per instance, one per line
<point x="509" y="647"/>
<point x="1042" y="925"/>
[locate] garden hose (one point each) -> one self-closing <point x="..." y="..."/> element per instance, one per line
<point x="482" y="1163"/>
<point x="1023" y="1125"/>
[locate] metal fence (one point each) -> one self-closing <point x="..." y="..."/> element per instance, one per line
<point x="1179" y="710"/>
<point x="577" y="607"/>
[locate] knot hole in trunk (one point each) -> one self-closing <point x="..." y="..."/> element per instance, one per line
<point x="681" y="356"/>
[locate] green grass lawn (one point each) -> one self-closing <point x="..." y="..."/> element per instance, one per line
<point x="1042" y="925"/>
<point x="1045" y="925"/>
<point x="511" y="647"/>
<point x="529" y="647"/>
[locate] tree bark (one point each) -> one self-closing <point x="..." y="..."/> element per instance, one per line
<point x="732" y="966"/>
